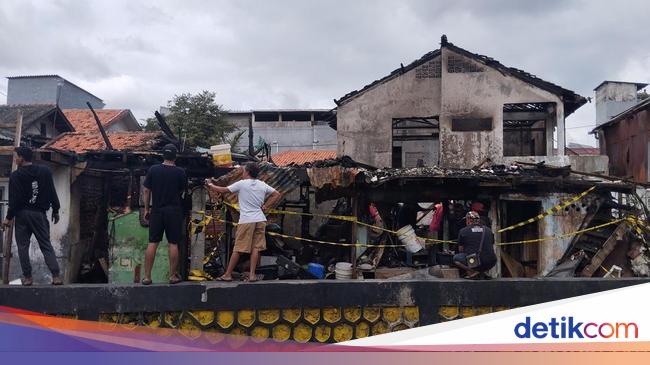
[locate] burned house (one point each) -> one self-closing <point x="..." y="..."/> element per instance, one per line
<point x="450" y="133"/>
<point x="454" y="108"/>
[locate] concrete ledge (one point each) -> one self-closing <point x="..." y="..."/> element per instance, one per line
<point x="89" y="301"/>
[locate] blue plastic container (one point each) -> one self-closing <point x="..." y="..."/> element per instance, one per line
<point x="317" y="270"/>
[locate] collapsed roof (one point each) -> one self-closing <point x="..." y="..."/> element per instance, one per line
<point x="572" y="101"/>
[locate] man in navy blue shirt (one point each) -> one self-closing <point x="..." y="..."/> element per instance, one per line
<point x="164" y="185"/>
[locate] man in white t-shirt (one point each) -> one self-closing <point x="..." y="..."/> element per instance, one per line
<point x="249" y="237"/>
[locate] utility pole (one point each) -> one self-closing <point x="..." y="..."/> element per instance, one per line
<point x="251" y="148"/>
<point x="9" y="232"/>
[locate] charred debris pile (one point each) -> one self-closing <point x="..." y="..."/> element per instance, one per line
<point x="340" y="216"/>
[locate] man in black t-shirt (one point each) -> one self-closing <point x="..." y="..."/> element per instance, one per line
<point x="469" y="242"/>
<point x="164" y="185"/>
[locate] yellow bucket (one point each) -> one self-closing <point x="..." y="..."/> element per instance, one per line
<point x="221" y="155"/>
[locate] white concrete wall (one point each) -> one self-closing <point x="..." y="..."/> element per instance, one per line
<point x="613" y="98"/>
<point x="566" y="221"/>
<point x="290" y="136"/>
<point x="482" y="95"/>
<point x="427" y="150"/>
<point x="364" y="123"/>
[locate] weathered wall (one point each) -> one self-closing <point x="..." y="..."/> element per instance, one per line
<point x="427" y="150"/>
<point x="613" y="98"/>
<point x="289" y="135"/>
<point x="482" y="95"/>
<point x="566" y="221"/>
<point x="626" y="144"/>
<point x="364" y="123"/>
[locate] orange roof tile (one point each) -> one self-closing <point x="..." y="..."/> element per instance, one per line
<point x="82" y="142"/>
<point x="83" y="120"/>
<point x="285" y="158"/>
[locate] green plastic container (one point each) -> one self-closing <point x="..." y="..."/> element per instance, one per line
<point x="129" y="241"/>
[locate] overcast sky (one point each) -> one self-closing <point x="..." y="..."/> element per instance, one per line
<point x="303" y="54"/>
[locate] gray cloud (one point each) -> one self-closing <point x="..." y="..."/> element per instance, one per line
<point x="267" y="54"/>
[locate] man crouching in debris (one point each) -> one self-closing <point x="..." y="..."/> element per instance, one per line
<point x="31" y="193"/>
<point x="164" y="185"/>
<point x="252" y="196"/>
<point x="475" y="246"/>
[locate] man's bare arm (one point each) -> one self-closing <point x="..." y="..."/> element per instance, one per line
<point x="147" y="198"/>
<point x="271" y="200"/>
<point x="217" y="189"/>
<point x="146" y="195"/>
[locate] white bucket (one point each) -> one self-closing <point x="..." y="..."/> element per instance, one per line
<point x="343" y="270"/>
<point x="407" y="236"/>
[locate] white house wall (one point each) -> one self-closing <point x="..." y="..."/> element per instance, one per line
<point x="364" y="123"/>
<point x="482" y="95"/>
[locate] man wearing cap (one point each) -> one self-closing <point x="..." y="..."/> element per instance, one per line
<point x="31" y="194"/>
<point x="475" y="239"/>
<point x="164" y="186"/>
<point x="254" y="197"/>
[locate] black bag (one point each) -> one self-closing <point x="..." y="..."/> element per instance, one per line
<point x="474" y="260"/>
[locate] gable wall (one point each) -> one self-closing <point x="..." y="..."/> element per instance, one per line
<point x="481" y="95"/>
<point x="364" y="123"/>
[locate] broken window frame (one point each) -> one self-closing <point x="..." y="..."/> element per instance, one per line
<point x="530" y="114"/>
<point x="419" y="129"/>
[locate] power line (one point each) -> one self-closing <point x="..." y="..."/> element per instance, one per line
<point x="581" y="126"/>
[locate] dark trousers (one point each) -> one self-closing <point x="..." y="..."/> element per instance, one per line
<point x="30" y="222"/>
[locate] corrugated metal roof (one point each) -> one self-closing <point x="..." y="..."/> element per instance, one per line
<point x="282" y="179"/>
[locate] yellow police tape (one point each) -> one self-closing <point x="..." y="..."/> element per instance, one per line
<point x="632" y="221"/>
<point x="342" y="218"/>
<point x="550" y="211"/>
<point x="639" y="227"/>
<point x="562" y="236"/>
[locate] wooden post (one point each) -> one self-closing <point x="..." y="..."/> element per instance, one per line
<point x="353" y="253"/>
<point x="9" y="232"/>
<point x="109" y="146"/>
<point x="251" y="147"/>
